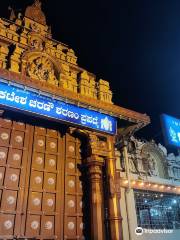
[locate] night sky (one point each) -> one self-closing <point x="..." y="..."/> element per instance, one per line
<point x="135" y="45"/>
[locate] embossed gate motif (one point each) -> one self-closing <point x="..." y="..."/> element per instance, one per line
<point x="40" y="187"/>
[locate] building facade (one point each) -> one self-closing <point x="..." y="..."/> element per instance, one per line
<point x="57" y="138"/>
<point x="149" y="180"/>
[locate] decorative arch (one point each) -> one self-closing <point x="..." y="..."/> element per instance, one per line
<point x="41" y="66"/>
<point x="155" y="157"/>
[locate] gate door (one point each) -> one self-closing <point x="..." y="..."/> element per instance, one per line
<point x="41" y="193"/>
<point x="43" y="198"/>
<point x="14" y="148"/>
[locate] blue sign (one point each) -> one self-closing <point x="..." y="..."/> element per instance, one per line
<point x="29" y="101"/>
<point x="171" y="130"/>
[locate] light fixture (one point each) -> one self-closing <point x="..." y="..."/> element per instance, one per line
<point x="133" y="182"/>
<point x="126" y="181"/>
<point x="174" y="201"/>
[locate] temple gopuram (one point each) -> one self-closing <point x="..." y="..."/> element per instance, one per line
<point x="58" y="132"/>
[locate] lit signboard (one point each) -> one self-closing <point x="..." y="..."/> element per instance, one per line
<point x="171" y="130"/>
<point x="30" y="101"/>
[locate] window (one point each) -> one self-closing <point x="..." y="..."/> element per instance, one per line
<point x="157" y="210"/>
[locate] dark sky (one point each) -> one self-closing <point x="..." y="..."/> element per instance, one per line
<point x="134" y="44"/>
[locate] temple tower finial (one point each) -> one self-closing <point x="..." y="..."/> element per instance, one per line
<point x="35" y="12"/>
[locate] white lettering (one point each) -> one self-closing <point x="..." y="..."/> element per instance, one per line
<point x="89" y="119"/>
<point x="66" y="113"/>
<point x="12" y="97"/>
<point x="32" y="103"/>
<point x="2" y="94"/>
<point x="48" y="106"/>
<point x="40" y="105"/>
<point x="95" y="121"/>
<point x="17" y="99"/>
<point x="83" y="119"/>
<point x="76" y="115"/>
<point x="23" y="100"/>
<point x="58" y="110"/>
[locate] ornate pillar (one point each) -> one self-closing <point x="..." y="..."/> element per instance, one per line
<point x="100" y="161"/>
<point x="115" y="219"/>
<point x="94" y="164"/>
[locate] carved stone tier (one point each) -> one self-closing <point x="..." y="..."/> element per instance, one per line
<point x="15" y="59"/>
<point x="135" y="117"/>
<point x="4" y="50"/>
<point x="31" y="34"/>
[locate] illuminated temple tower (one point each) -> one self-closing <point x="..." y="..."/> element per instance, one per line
<point x="57" y="138"/>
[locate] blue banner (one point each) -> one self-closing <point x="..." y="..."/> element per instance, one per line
<point x="29" y="101"/>
<point x="171" y="130"/>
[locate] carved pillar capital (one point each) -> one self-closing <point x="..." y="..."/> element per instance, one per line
<point x="94" y="165"/>
<point x="92" y="144"/>
<point x="95" y="160"/>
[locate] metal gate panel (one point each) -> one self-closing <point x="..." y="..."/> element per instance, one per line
<point x="43" y="215"/>
<point x="38" y="161"/>
<point x="14" y="141"/>
<point x="15" y="157"/>
<point x="41" y="192"/>
<point x="9" y="200"/>
<point x="73" y="218"/>
<point x="49" y="202"/>
<point x="3" y="155"/>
